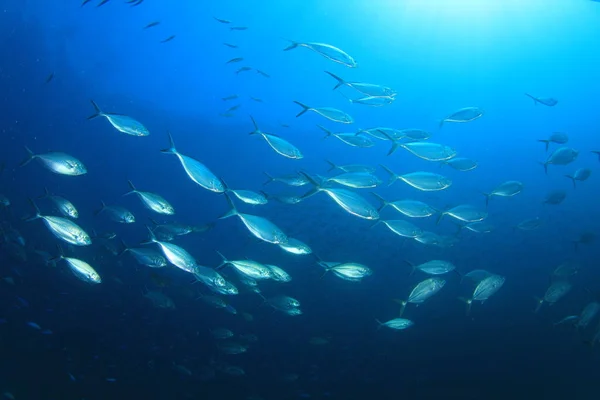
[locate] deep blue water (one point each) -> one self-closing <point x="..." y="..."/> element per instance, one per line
<point x="109" y="341"/>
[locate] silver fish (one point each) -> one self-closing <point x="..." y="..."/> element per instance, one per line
<point x="122" y="123"/>
<point x="152" y="201"/>
<point x="197" y="171"/>
<point x="479" y="227"/>
<point x="424" y="181"/>
<point x="357" y="180"/>
<point x="422" y="292"/>
<point x="65" y="207"/>
<point x="296" y="179"/>
<point x="175" y="254"/>
<point x="561" y="156"/>
<point x="556" y="137"/>
<point x="463" y="115"/>
<point x="295" y="246"/>
<point x="555" y="197"/>
<point x="59" y="163"/>
<point x="485" y="289"/>
<point x="350" y="139"/>
<point x="529" y="224"/>
<point x="249" y="268"/>
<point x="506" y="189"/>
<point x="63" y="228"/>
<point x="461" y="164"/>
<point x="260" y="227"/>
<point x="326" y="50"/>
<point x="144" y="256"/>
<point x="82" y="270"/>
<point x="426" y="150"/>
<point x="410" y="208"/>
<point x="367" y="89"/>
<point x="279" y="145"/>
<point x="547" y="101"/>
<point x="331" y="114"/>
<point x="554" y="293"/>
<point x="117" y="213"/>
<point x="581" y="175"/>
<point x="402" y="228"/>
<point x="464" y="213"/>
<point x="350" y="167"/>
<point x="434" y="267"/>
<point x="353" y="272"/>
<point x="397" y="324"/>
<point x="588" y="314"/>
<point x="373" y="101"/>
<point x="278" y="274"/>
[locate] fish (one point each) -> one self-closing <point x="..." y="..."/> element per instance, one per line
<point x="584" y="238"/>
<point x="547" y="101"/>
<point x="349" y="201"/>
<point x="57" y="162"/>
<point x="260" y="227"/>
<point x="353" y="272"/>
<point x="103" y="2"/>
<point x="596" y="152"/>
<point x="350" y="167"/>
<point x="556" y="137"/>
<point x="357" y="180"/>
<point x="433" y="267"/>
<point x="408" y="207"/>
<point x="423" y="291"/>
<point x="262" y="73"/>
<point x="65" y="207"/>
<point x="463" y="115"/>
<point x="195" y="170"/>
<point x="243" y="69"/>
<point x="373" y="101"/>
<point x="505" y="189"/>
<point x="81" y="269"/>
<point x="279" y="145"/>
<point x="397" y="324"/>
<point x="295" y="246"/>
<point x="326" y="50"/>
<point x="485" y="289"/>
<point x="478" y="227"/>
<point x="402" y="228"/>
<point x="554" y="293"/>
<point x="588" y="313"/>
<point x="296" y="179"/>
<point x="230" y="97"/>
<point x="426" y="150"/>
<point x="231" y="46"/>
<point x="256" y="99"/>
<point x="248" y="196"/>
<point x="464" y="213"/>
<point x="567" y="319"/>
<point x="382" y="133"/>
<point x="461" y="164"/>
<point x="152" y="201"/>
<point x="566" y="269"/>
<point x="121" y="123"/>
<point x="85" y="2"/>
<point x="223" y="21"/>
<point x="116" y="213"/>
<point x="424" y="181"/>
<point x="235" y="60"/>
<point x="49" y="78"/>
<point x="63" y="228"/>
<point x="168" y="39"/>
<point x="249" y="268"/>
<point x="367" y="89"/>
<point x="331" y="114"/>
<point x="152" y="24"/>
<point x="350" y="139"/>
<point x="477" y="275"/>
<point x="278" y="274"/>
<point x="581" y="175"/>
<point x="555" y="197"/>
<point x="221" y="333"/>
<point x="238" y="28"/>
<point x="176" y="255"/>
<point x="529" y="224"/>
<point x="561" y="156"/>
<point x="145" y="256"/>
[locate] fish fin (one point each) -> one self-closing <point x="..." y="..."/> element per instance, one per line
<point x="393" y="176"/>
<point x="45" y="195"/>
<point x="395" y="144"/>
<point x="540" y="302"/>
<point x="439" y="218"/>
<point x="545" y="165"/>
<point x="535" y="101"/>
<point x="269" y="177"/>
<point x="152" y="237"/>
<point x="402" y="307"/>
<point x="30" y="156"/>
<point x="133" y="189"/>
<point x="256" y="130"/>
<point x="37" y="211"/>
<point x="332" y="166"/>
<point x="171" y="149"/>
<point x="573" y="179"/>
<point x="232" y="210"/>
<point x="340" y="80"/>
<point x="411" y="265"/>
<point x="125" y="248"/>
<point x="547" y="142"/>
<point x="382" y="200"/>
<point x="292" y="45"/>
<point x="224" y="261"/>
<point x="468" y="302"/>
<point x="304" y="106"/>
<point x="327" y="131"/>
<point x="97" y="110"/>
<point x="101" y="208"/>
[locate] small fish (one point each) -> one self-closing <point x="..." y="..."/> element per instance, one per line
<point x="152" y="24"/>
<point x="64" y="206"/>
<point x="256" y="99"/>
<point x="103" y="2"/>
<point x="231" y="46"/>
<point x="505" y="189"/>
<point x="258" y="71"/>
<point x="279" y="145"/>
<point x="116" y="213"/>
<point x="555" y="197"/>
<point x="350" y="139"/>
<point x="85" y="2"/>
<point x="122" y="123"/>
<point x="547" y="101"/>
<point x="326" y="50"/>
<point x="402" y="228"/>
<point x="568" y="319"/>
<point x="530" y="224"/>
<point x="485" y="289"/>
<point x="152" y="201"/>
<point x="235" y="60"/>
<point x="408" y="207"/>
<point x="464" y="213"/>
<point x="59" y="163"/>
<point x="175" y="254"/>
<point x="373" y="101"/>
<point x="82" y="270"/>
<point x="397" y="324"/>
<point x="554" y="293"/>
<point x="581" y="175"/>
<point x="295" y="246"/>
<point x="63" y="228"/>
<point x="243" y="69"/>
<point x="561" y="156"/>
<point x="368" y="89"/>
<point x="422" y="292"/>
<point x="350" y="167"/>
<point x="34" y="325"/>
<point x="168" y="39"/>
<point x="223" y="21"/>
<point x="230" y="97"/>
<point x="233" y="108"/>
<point x="238" y="28"/>
<point x="49" y="78"/>
<point x="461" y="164"/>
<point x="433" y="267"/>
<point x="463" y="115"/>
<point x="352" y="272"/>
<point x="556" y="137"/>
<point x="331" y="114"/>
<point x="424" y="181"/>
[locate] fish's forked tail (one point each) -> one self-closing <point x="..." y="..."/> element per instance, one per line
<point x="403" y="304"/>
<point x="133" y="189"/>
<point x="340" y="80"/>
<point x="468" y="303"/>
<point x="573" y="179"/>
<point x="292" y="45"/>
<point x="269" y="179"/>
<point x="232" y="210"/>
<point x="102" y="208"/>
<point x="487" y="198"/>
<point x="546" y="141"/>
<point x="393" y="176"/>
<point x="411" y="265"/>
<point x="383" y="202"/>
<point x="124" y="246"/>
<point x="224" y="261"/>
<point x="327" y="131"/>
<point x="152" y="237"/>
<point x="97" y="110"/>
<point x="545" y="165"/>
<point x="30" y="157"/>
<point x="45" y="195"/>
<point x="305" y="108"/>
<point x="171" y="149"/>
<point x="535" y="101"/>
<point x="60" y="256"/>
<point x="332" y="166"/>
<point x="37" y="211"/>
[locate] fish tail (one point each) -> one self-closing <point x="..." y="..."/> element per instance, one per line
<point x="375" y="224"/>
<point x="393" y="176"/>
<point x="292" y="45"/>
<point x="152" y="237"/>
<point x="539" y="304"/>
<point x="103" y="206"/>
<point x="573" y="179"/>
<point x="411" y="265"/>
<point x="340" y="80"/>
<point x="532" y="98"/>
<point x="439" y="218"/>
<point x="304" y="106"/>
<point x="37" y="211"/>
<point x="327" y="131"/>
<point x="224" y="261"/>
<point x="133" y="189"/>
<point x="45" y="195"/>
<point x="381" y="199"/>
<point x="402" y="307"/>
<point x="332" y="166"/>
<point x="256" y="130"/>
<point x="153" y="221"/>
<point x="310" y="179"/>
<point x="269" y="178"/>
<point x="124" y="246"/>
<point x="171" y="149"/>
<point x="487" y="198"/>
<point x="60" y="256"/>
<point x="441" y="123"/>
<point x="232" y="210"/>
<point x="394" y="147"/>
<point x="97" y="110"/>
<point x="547" y="142"/>
<point x="30" y="156"/>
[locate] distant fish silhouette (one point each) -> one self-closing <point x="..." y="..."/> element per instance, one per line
<point x="238" y="28"/>
<point x="103" y="2"/>
<point x="137" y="3"/>
<point x="151" y="24"/>
<point x="168" y="39"/>
<point x="223" y="21"/>
<point x="547" y="101"/>
<point x="50" y="77"/>
<point x="232" y="46"/>
<point x="85" y="2"/>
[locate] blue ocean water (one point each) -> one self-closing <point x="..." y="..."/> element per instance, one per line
<point x="62" y="338"/>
